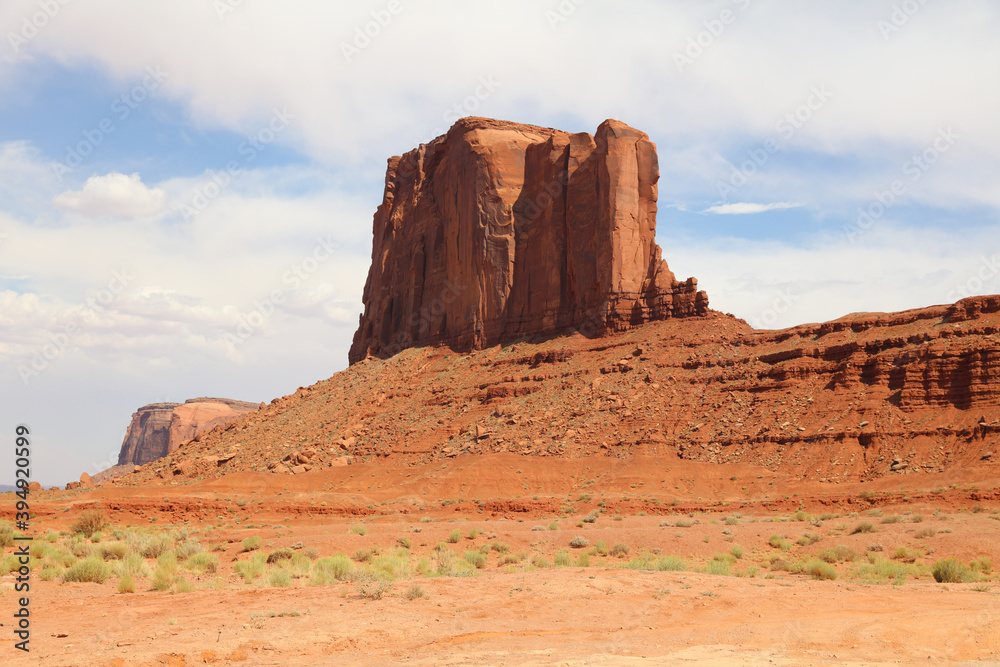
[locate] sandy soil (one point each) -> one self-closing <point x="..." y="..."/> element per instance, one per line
<point x="604" y="614"/>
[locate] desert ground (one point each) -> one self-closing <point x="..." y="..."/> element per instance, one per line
<point x="504" y="559"/>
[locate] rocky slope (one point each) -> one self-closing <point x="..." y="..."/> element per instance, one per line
<point x="497" y="231"/>
<point x="863" y="396"/>
<point x="158" y="429"/>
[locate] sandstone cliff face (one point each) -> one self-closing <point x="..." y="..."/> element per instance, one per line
<point x="160" y="428"/>
<point x="497" y="231"/>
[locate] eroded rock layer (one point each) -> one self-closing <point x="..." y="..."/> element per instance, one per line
<point x="861" y="397"/>
<point x="497" y="231"/>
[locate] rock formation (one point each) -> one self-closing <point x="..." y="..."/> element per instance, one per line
<point x="160" y="428"/>
<point x="861" y="397"/>
<point x="497" y="231"/>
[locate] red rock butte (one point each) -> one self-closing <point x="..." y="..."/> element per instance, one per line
<point x="497" y="231"/>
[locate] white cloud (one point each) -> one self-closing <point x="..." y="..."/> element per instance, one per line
<point x="115" y="195"/>
<point x="744" y="208"/>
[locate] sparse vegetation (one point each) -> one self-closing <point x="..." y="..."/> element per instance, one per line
<point x="864" y="527"/>
<point x="91" y="570"/>
<point x="89" y="522"/>
<point x="252" y="543"/>
<point x="952" y="571"/>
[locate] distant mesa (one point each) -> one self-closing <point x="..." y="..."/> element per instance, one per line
<point x="498" y="231"/>
<point x="160" y="428"/>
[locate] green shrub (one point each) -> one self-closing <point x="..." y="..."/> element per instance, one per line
<point x="364" y="555"/>
<point x="149" y="546"/>
<point x="864" y="527"/>
<point x="6" y="537"/>
<point x="252" y="543"/>
<point x="92" y="569"/>
<point x="48" y="573"/>
<point x="203" y="562"/>
<point x="188" y="548"/>
<point x="583" y="560"/>
<point x="600" y="548"/>
<point x="113" y="550"/>
<point x="562" y="559"/>
<point x="96" y="537"/>
<point x="373" y="586"/>
<point x="415" y="592"/>
<point x="404" y="542"/>
<point x="553" y="526"/>
<point x="182" y="585"/>
<point x="454" y="536"/>
<point x="719" y="567"/>
<point x="126" y="584"/>
<point x="838" y="554"/>
<point x="818" y="569"/>
<point x="358" y="530"/>
<point x="283" y="553"/>
<point x="671" y="564"/>
<point x="737" y="551"/>
<point x="250" y="569"/>
<point x="592" y="517"/>
<point x="983" y="564"/>
<point x="926" y="532"/>
<point x="397" y="565"/>
<point x="951" y="571"/>
<point x="473" y="534"/>
<point x="279" y="578"/>
<point x="779" y="542"/>
<point x="684" y="523"/>
<point x="133" y="565"/>
<point x="579" y="542"/>
<point x="619" y="550"/>
<point x="892" y="518"/>
<point x="500" y="547"/>
<point x="808" y="539"/>
<point x="476" y="559"/>
<point x="81" y="549"/>
<point x="879" y="567"/>
<point x="88" y="523"/>
<point x="333" y="568"/>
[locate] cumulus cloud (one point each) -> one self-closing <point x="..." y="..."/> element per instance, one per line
<point x="115" y="195"/>
<point x="744" y="208"/>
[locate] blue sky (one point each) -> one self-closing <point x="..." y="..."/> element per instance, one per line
<point x="228" y="145"/>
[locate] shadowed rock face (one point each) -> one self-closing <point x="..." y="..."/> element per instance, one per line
<point x="160" y="428"/>
<point x="497" y="231"/>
